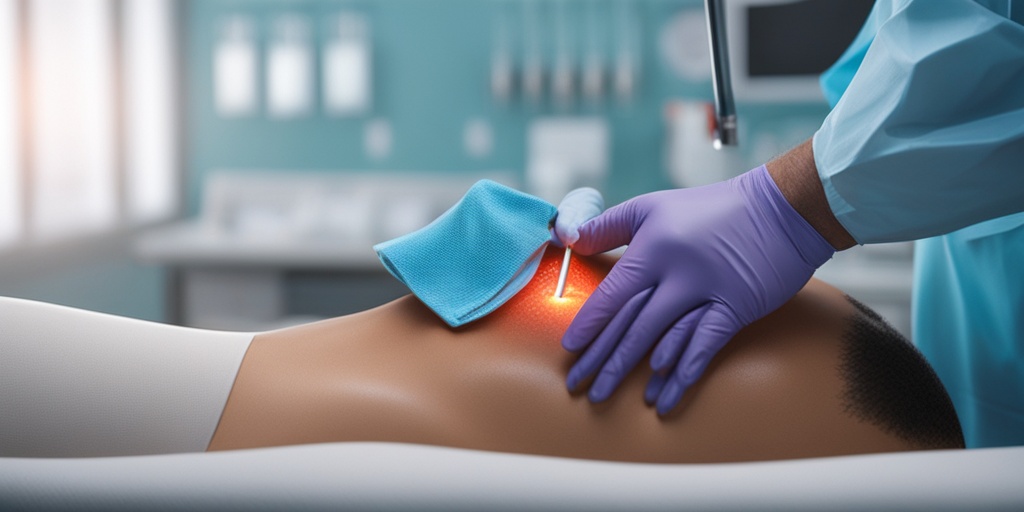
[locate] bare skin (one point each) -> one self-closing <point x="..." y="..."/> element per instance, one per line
<point x="796" y="175"/>
<point x="397" y="373"/>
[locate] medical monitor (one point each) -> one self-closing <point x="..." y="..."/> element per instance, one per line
<point x="778" y="48"/>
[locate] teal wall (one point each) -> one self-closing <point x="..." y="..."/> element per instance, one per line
<point x="431" y="62"/>
<point x="117" y="287"/>
<point x="100" y="275"/>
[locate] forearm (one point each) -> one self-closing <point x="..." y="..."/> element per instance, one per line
<point x="797" y="178"/>
<point x="907" y="153"/>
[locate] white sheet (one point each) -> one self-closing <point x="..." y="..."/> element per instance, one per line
<point x="76" y="383"/>
<point x="383" y="476"/>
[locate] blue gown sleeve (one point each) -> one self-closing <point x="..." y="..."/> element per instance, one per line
<point x="836" y="78"/>
<point x="928" y="135"/>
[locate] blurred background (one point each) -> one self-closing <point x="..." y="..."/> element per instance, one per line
<point x="229" y="164"/>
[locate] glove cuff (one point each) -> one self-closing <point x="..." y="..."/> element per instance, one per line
<point x="767" y="197"/>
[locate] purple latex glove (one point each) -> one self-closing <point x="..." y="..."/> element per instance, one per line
<point x="702" y="263"/>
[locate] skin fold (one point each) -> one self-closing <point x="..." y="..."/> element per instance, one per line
<point x="397" y="373"/>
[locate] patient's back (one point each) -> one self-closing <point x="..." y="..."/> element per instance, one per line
<point x="398" y="373"/>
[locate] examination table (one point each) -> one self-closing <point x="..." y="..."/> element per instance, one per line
<point x="392" y="476"/>
<point x="383" y="476"/>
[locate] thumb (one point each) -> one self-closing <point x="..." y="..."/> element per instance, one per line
<point x="578" y="206"/>
<point x="612" y="229"/>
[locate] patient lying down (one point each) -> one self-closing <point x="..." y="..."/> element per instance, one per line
<point x="821" y="376"/>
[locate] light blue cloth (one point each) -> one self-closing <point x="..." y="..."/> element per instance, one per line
<point x="927" y="138"/>
<point x="475" y="256"/>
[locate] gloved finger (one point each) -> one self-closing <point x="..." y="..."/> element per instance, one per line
<point x="598" y="352"/>
<point x="622" y="283"/>
<point x="612" y="229"/>
<point x="661" y="311"/>
<point x="668" y="350"/>
<point x="714" y="330"/>
<point x="654" y="386"/>
<point x="578" y="206"/>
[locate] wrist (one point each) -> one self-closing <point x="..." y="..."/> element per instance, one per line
<point x="779" y="220"/>
<point x="796" y="177"/>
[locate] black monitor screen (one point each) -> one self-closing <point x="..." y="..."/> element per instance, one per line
<point x="801" y="38"/>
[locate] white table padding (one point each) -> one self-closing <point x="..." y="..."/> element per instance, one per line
<point x="385" y="476"/>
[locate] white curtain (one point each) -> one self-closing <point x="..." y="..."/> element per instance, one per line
<point x="59" y="137"/>
<point x="10" y="176"/>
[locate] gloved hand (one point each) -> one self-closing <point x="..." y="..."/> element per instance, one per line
<point x="702" y="263"/>
<point x="577" y="207"/>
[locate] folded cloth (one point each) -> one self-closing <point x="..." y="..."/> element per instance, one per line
<point x="475" y="256"/>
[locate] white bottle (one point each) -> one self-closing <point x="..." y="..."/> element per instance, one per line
<point x="234" y="72"/>
<point x="289" y="69"/>
<point x="501" y="62"/>
<point x="347" y="67"/>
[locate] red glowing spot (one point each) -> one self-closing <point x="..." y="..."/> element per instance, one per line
<point x="536" y="308"/>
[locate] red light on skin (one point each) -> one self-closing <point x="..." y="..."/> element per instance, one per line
<point x="536" y="309"/>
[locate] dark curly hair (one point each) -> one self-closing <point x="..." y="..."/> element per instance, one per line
<point x="889" y="384"/>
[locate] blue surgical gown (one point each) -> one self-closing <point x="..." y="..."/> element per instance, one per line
<point x="926" y="139"/>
